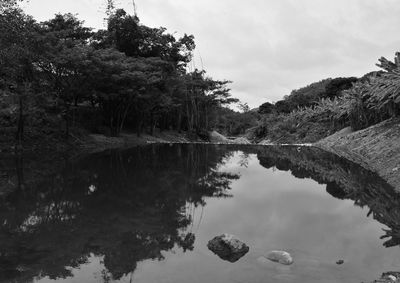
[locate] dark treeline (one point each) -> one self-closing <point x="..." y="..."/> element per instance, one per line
<point x="58" y="74"/>
<point x="309" y="95"/>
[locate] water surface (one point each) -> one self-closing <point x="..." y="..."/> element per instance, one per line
<point x="146" y="215"/>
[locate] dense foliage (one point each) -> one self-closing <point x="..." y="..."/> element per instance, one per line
<point x="309" y="95"/>
<point x="234" y="123"/>
<point x="316" y="111"/>
<point x="59" y="74"/>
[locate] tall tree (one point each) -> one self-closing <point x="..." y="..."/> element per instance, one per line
<point x="64" y="60"/>
<point x="19" y="51"/>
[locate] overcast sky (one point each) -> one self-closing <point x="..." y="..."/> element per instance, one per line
<point x="266" y="47"/>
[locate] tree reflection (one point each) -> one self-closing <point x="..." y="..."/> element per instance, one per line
<point x="126" y="206"/>
<point x="132" y="205"/>
<point x="343" y="179"/>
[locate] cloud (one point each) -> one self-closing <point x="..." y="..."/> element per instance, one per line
<point x="267" y="47"/>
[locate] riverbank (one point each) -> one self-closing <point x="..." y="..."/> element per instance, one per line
<point x="376" y="148"/>
<point x="81" y="142"/>
<point x="47" y="153"/>
<point x="97" y="142"/>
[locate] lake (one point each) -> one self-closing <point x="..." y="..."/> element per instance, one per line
<point x="146" y="214"/>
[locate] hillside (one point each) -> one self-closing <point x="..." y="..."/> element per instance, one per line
<point x="376" y="148"/>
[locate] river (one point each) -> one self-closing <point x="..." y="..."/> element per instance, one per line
<point x="146" y="214"/>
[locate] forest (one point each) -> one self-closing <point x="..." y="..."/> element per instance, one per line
<point x="59" y="77"/>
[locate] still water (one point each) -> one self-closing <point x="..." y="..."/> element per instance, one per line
<point x="146" y="215"/>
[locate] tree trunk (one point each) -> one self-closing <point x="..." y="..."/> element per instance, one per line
<point x="21" y="118"/>
<point x="19" y="167"/>
<point x="151" y="124"/>
<point x="179" y="122"/>
<point x="124" y="118"/>
<point x="139" y="127"/>
<point x="20" y="126"/>
<point x="188" y="114"/>
<point x="66" y="118"/>
<point x="206" y="118"/>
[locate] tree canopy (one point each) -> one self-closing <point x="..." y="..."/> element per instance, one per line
<point x="128" y="76"/>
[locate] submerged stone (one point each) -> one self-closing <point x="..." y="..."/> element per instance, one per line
<point x="228" y="247"/>
<point x="340" y="261"/>
<point x="280" y="256"/>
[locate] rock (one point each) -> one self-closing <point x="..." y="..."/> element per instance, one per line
<point x="340" y="261"/>
<point x="228" y="247"/>
<point x="281" y="257"/>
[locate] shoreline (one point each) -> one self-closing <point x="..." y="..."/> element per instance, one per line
<point x="336" y="146"/>
<point x="376" y="148"/>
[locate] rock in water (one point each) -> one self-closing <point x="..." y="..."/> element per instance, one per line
<point x="228" y="247"/>
<point x="340" y="261"/>
<point x="281" y="257"/>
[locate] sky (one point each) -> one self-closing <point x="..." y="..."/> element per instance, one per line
<point x="266" y="47"/>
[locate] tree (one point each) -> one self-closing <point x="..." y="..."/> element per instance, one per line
<point x="244" y="107"/>
<point x="64" y="61"/>
<point x="266" y="108"/>
<point x="336" y="86"/>
<point x="18" y="53"/>
<point x="129" y="75"/>
<point x="136" y="40"/>
<point x="283" y="106"/>
<point x="8" y="4"/>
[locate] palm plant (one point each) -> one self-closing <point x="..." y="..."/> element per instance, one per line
<point x="385" y="92"/>
<point x="376" y="99"/>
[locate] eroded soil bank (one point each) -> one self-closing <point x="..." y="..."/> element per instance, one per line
<point x="376" y="148"/>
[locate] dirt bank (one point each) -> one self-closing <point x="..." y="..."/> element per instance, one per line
<point x="376" y="148"/>
<point x="94" y="142"/>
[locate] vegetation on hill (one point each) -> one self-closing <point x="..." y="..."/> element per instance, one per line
<point x="318" y="110"/>
<point x="234" y="123"/>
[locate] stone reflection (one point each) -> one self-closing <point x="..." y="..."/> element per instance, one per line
<point x="343" y="179"/>
<point x="126" y="206"/>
